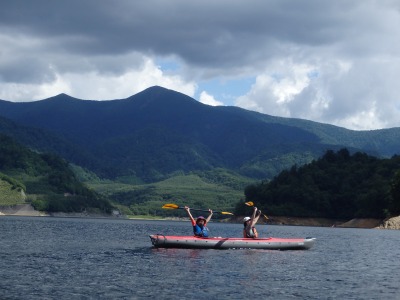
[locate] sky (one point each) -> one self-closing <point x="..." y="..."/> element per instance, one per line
<point x="334" y="62"/>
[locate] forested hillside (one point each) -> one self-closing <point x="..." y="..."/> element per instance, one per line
<point x="45" y="180"/>
<point x="157" y="133"/>
<point x="338" y="185"/>
<point x="160" y="145"/>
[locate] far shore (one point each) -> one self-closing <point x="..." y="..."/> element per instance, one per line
<point x="392" y="223"/>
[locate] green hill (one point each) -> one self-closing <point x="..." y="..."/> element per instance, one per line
<point x="218" y="190"/>
<point x="12" y="191"/>
<point x="338" y="185"/>
<point x="44" y="180"/>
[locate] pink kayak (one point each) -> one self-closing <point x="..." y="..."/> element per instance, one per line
<point x="192" y="242"/>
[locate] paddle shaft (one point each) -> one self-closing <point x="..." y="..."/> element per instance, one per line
<point x="196" y="209"/>
<point x="174" y="206"/>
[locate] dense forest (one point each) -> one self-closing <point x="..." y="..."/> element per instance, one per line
<point x="338" y="185"/>
<point x="47" y="180"/>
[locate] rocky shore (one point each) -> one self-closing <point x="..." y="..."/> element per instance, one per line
<point x="391" y="223"/>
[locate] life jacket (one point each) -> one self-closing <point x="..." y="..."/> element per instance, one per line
<point x="201" y="232"/>
<point x="250" y="233"/>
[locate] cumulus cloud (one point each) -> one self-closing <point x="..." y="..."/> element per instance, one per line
<point x="209" y="99"/>
<point x="96" y="85"/>
<point x="335" y="62"/>
<point x="349" y="94"/>
<point x="108" y="86"/>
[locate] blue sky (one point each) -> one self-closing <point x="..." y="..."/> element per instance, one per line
<point x="225" y="90"/>
<point x="334" y="62"/>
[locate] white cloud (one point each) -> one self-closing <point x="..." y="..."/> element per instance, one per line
<point x="209" y="99"/>
<point x="276" y="89"/>
<point x="104" y="86"/>
<point x="98" y="86"/>
<point x="357" y="94"/>
<point x="362" y="120"/>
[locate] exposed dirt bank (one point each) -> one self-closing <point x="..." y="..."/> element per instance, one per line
<point x="294" y="221"/>
<point x="392" y="223"/>
<point x="20" y="210"/>
<point x="362" y="223"/>
<point x="27" y="210"/>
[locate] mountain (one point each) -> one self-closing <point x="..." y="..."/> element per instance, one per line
<point x="158" y="132"/>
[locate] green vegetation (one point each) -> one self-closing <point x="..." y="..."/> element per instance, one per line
<point x="157" y="133"/>
<point x="218" y="190"/>
<point x="338" y="185"/>
<point x="46" y="180"/>
<point x="160" y="146"/>
<point x="11" y="191"/>
<point x="15" y="184"/>
<point x="395" y="193"/>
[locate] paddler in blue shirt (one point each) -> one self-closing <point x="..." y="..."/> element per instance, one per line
<point x="199" y="225"/>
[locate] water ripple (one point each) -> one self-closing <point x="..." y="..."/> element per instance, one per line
<point x="50" y="258"/>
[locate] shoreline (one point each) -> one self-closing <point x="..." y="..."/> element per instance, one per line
<point x="368" y="223"/>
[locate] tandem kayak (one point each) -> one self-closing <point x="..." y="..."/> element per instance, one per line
<point x="192" y="242"/>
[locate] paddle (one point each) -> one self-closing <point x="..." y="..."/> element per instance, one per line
<point x="250" y="203"/>
<point x="174" y="206"/>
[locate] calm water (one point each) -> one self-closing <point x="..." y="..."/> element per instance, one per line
<point x="62" y="258"/>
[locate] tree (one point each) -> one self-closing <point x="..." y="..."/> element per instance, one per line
<point x="338" y="185"/>
<point x="395" y="192"/>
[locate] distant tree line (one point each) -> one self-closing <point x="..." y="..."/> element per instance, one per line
<point x="338" y="185"/>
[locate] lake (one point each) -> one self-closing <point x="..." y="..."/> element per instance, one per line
<point x="72" y="258"/>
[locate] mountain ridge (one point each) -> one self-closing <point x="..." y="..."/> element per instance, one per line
<point x="158" y="131"/>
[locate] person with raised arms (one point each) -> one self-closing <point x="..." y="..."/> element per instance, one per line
<point x="199" y="225"/>
<point x="249" y="230"/>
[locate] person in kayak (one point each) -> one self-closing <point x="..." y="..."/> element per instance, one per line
<point x="199" y="225"/>
<point x="249" y="230"/>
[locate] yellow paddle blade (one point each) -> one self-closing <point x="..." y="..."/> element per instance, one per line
<point x="170" y="206"/>
<point x="250" y="203"/>
<point x="226" y="213"/>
